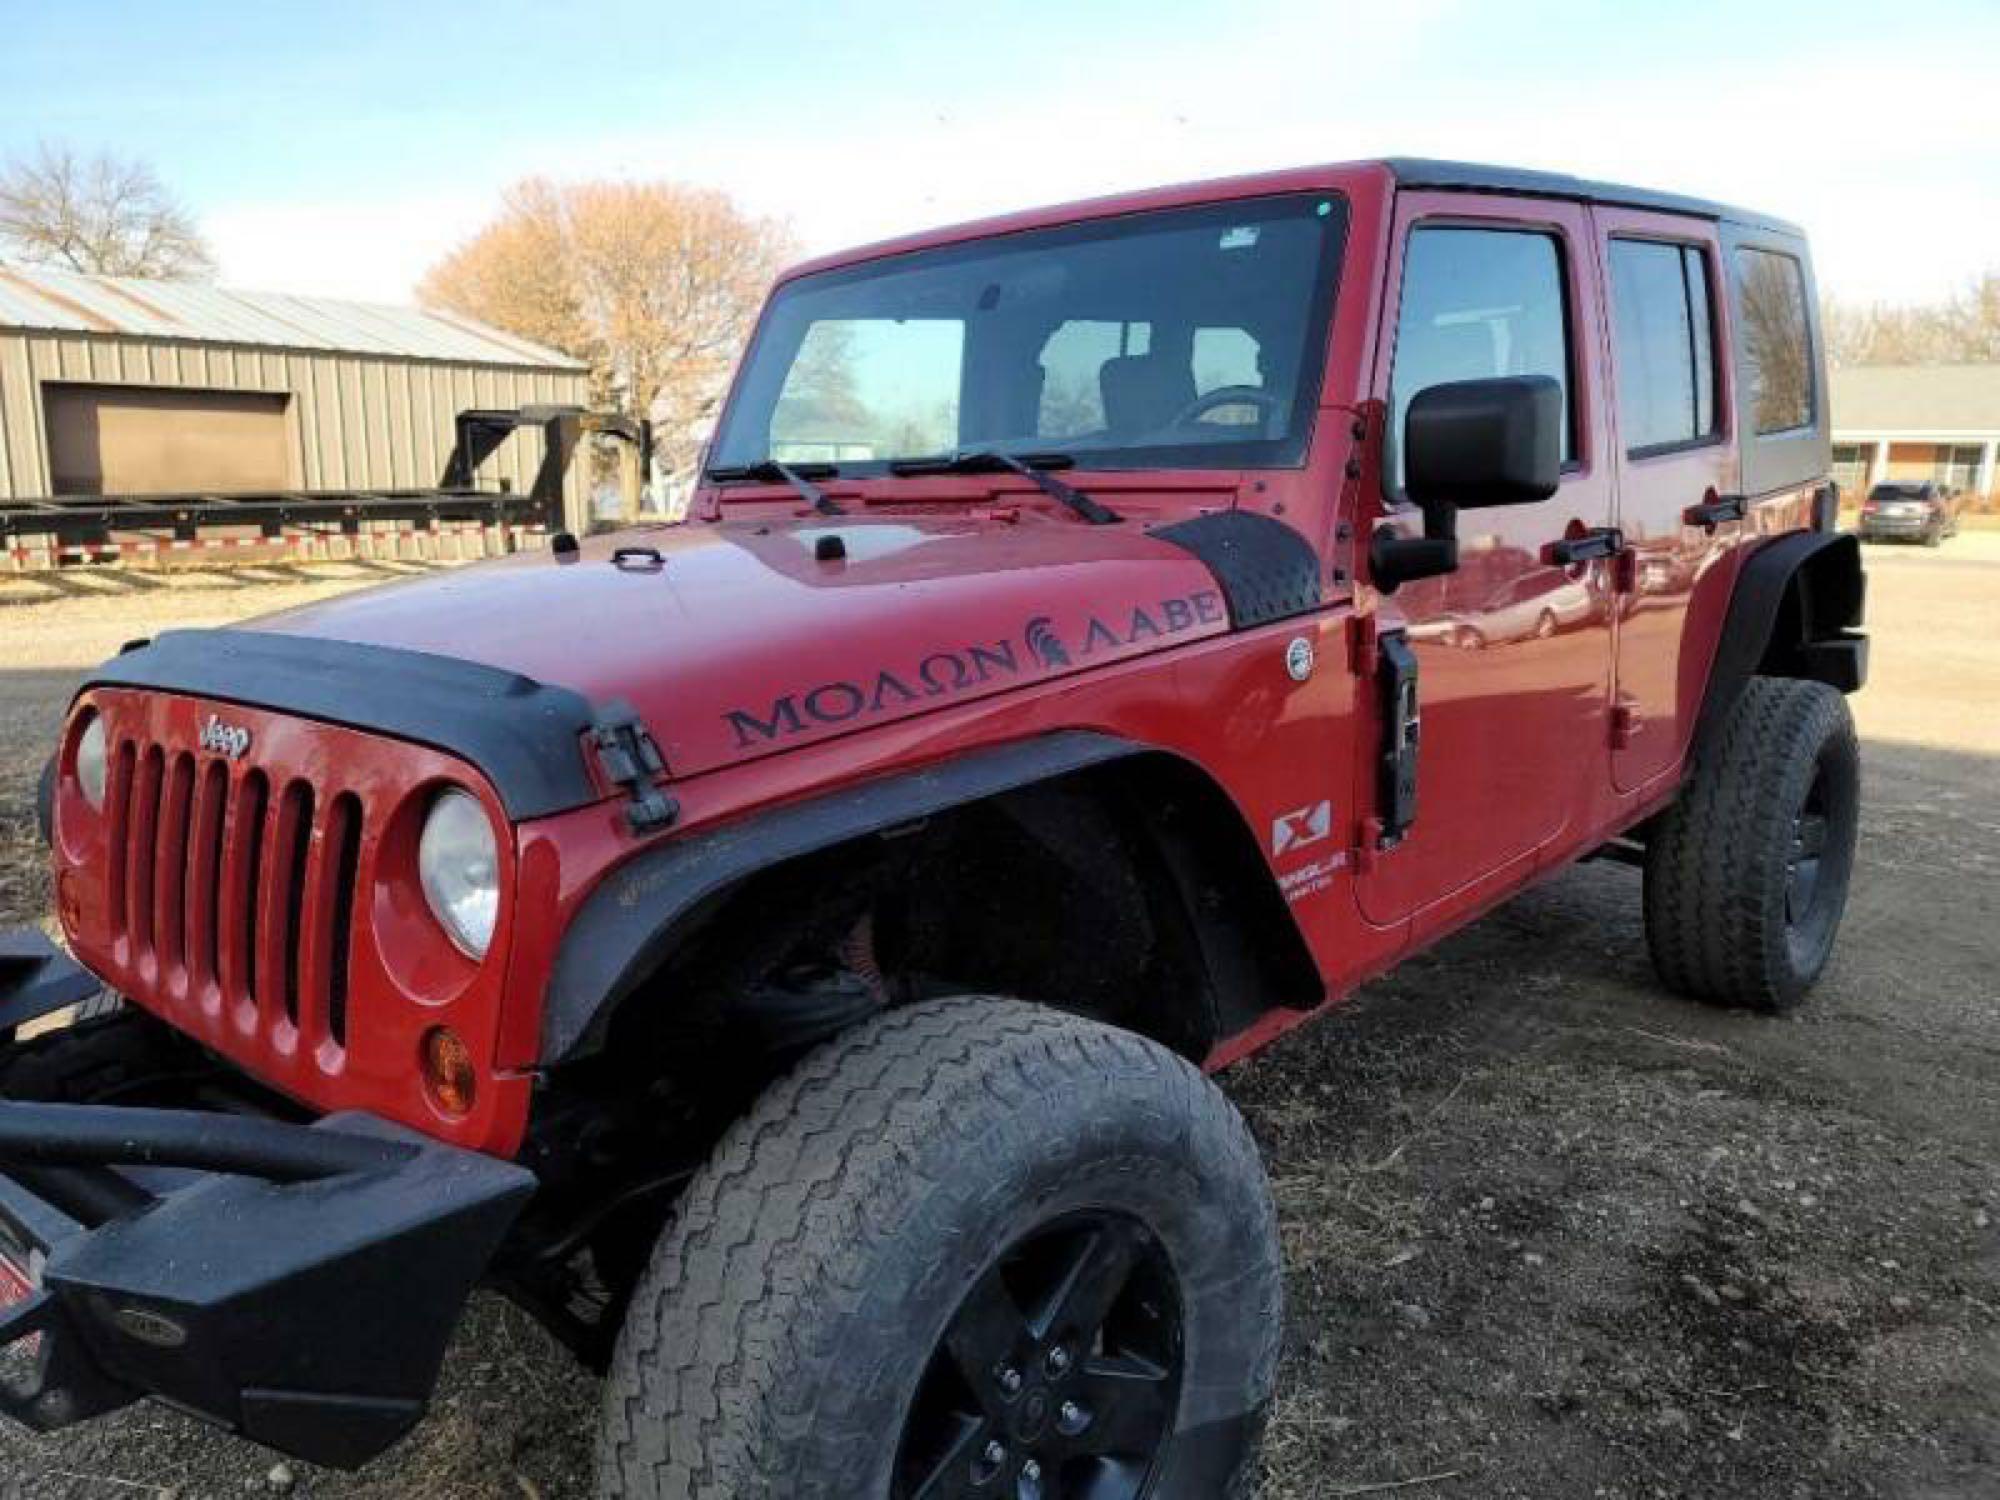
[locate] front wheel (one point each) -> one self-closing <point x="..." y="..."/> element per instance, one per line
<point x="1747" y="872"/>
<point x="971" y="1248"/>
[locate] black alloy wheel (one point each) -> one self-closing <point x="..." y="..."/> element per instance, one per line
<point x="1059" y="1376"/>
<point x="1809" y="831"/>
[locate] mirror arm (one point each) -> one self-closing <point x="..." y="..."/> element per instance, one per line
<point x="1396" y="560"/>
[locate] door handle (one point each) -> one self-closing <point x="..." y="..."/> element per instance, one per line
<point x="1711" y="513"/>
<point x="1587" y="546"/>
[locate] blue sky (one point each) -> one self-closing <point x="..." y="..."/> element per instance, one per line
<point x="340" y="149"/>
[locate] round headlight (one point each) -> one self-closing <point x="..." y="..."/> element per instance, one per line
<point x="459" y="864"/>
<point x="92" y="762"/>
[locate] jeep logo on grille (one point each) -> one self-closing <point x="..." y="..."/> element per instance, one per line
<point x="220" y="738"/>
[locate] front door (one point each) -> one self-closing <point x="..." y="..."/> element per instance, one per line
<point x="1676" y="475"/>
<point x="1513" y="651"/>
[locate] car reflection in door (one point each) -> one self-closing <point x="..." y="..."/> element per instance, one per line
<point x="1534" y="605"/>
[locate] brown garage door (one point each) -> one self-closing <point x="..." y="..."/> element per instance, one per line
<point x="135" y="440"/>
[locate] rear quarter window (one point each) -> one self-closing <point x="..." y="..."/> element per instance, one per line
<point x="1776" y="339"/>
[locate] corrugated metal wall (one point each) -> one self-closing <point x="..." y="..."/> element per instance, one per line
<point x="357" y="421"/>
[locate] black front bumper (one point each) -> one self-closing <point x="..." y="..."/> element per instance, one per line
<point x="294" y="1283"/>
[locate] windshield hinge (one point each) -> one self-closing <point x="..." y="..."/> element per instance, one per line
<point x="630" y="760"/>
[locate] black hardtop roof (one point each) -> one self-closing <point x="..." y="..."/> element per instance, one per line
<point x="1461" y="176"/>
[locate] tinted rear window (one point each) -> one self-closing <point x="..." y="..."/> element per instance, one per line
<point x="1777" y="342"/>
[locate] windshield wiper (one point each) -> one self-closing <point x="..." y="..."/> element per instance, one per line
<point x="770" y="471"/>
<point x="1034" y="466"/>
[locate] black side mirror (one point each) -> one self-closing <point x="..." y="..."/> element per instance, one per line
<point x="1469" y="444"/>
<point x="1475" y="443"/>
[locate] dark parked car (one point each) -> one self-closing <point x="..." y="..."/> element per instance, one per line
<point x="1913" y="510"/>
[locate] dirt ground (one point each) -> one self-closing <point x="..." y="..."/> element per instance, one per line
<point x="1549" y="1233"/>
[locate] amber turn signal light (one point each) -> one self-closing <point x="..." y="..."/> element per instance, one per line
<point x="448" y="1072"/>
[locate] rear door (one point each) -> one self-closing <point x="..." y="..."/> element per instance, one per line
<point x="1677" y="477"/>
<point x="1513" y="652"/>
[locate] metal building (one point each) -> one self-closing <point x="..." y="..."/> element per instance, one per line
<point x="111" y="386"/>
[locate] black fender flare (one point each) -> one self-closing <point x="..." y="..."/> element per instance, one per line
<point x="624" y="928"/>
<point x="1795" y="612"/>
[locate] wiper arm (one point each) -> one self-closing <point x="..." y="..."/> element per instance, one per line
<point x="1033" y="466"/>
<point x="770" y="471"/>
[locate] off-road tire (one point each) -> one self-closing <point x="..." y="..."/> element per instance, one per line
<point x="1720" y="860"/>
<point x="774" y="1346"/>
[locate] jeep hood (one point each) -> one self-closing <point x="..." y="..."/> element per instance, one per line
<point x="741" y="639"/>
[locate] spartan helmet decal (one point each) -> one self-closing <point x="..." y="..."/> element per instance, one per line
<point x="1045" y="643"/>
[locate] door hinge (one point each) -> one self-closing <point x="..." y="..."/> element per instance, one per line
<point x="1625" y="725"/>
<point x="1368" y="840"/>
<point x="631" y="760"/>
<point x="1625" y="571"/>
<point x="1361" y="636"/>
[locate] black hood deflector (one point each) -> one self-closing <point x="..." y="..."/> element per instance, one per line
<point x="525" y="736"/>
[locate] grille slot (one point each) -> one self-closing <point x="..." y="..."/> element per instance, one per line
<point x="344" y="838"/>
<point x="204" y="878"/>
<point x="119" y="801"/>
<point x="240" y="916"/>
<point x="170" y="867"/>
<point x="291" y="852"/>
<point x="139" y="890"/>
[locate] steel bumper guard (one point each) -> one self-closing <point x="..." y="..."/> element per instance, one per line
<point x="294" y="1283"/>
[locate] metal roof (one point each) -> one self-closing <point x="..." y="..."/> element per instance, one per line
<point x="37" y="297"/>
<point x="1960" y="400"/>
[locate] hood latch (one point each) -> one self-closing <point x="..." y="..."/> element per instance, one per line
<point x="631" y="760"/>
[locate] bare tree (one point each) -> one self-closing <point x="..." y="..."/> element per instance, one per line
<point x="654" y="284"/>
<point x="102" y="214"/>
<point x="1774" y="338"/>
<point x="1961" y="330"/>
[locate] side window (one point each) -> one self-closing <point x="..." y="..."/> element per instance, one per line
<point x="1478" y="303"/>
<point x="1073" y="363"/>
<point x="1777" y="347"/>
<point x="1666" y="343"/>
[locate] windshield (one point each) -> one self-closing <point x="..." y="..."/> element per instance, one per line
<point x="1176" y="338"/>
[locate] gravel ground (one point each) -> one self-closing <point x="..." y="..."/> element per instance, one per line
<point x="1548" y="1232"/>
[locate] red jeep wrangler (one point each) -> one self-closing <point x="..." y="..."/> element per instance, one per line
<point x="783" y="950"/>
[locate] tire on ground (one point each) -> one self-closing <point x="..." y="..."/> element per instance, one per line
<point x="776" y="1343"/>
<point x="1719" y="862"/>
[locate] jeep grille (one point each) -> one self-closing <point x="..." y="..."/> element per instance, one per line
<point x="233" y="885"/>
